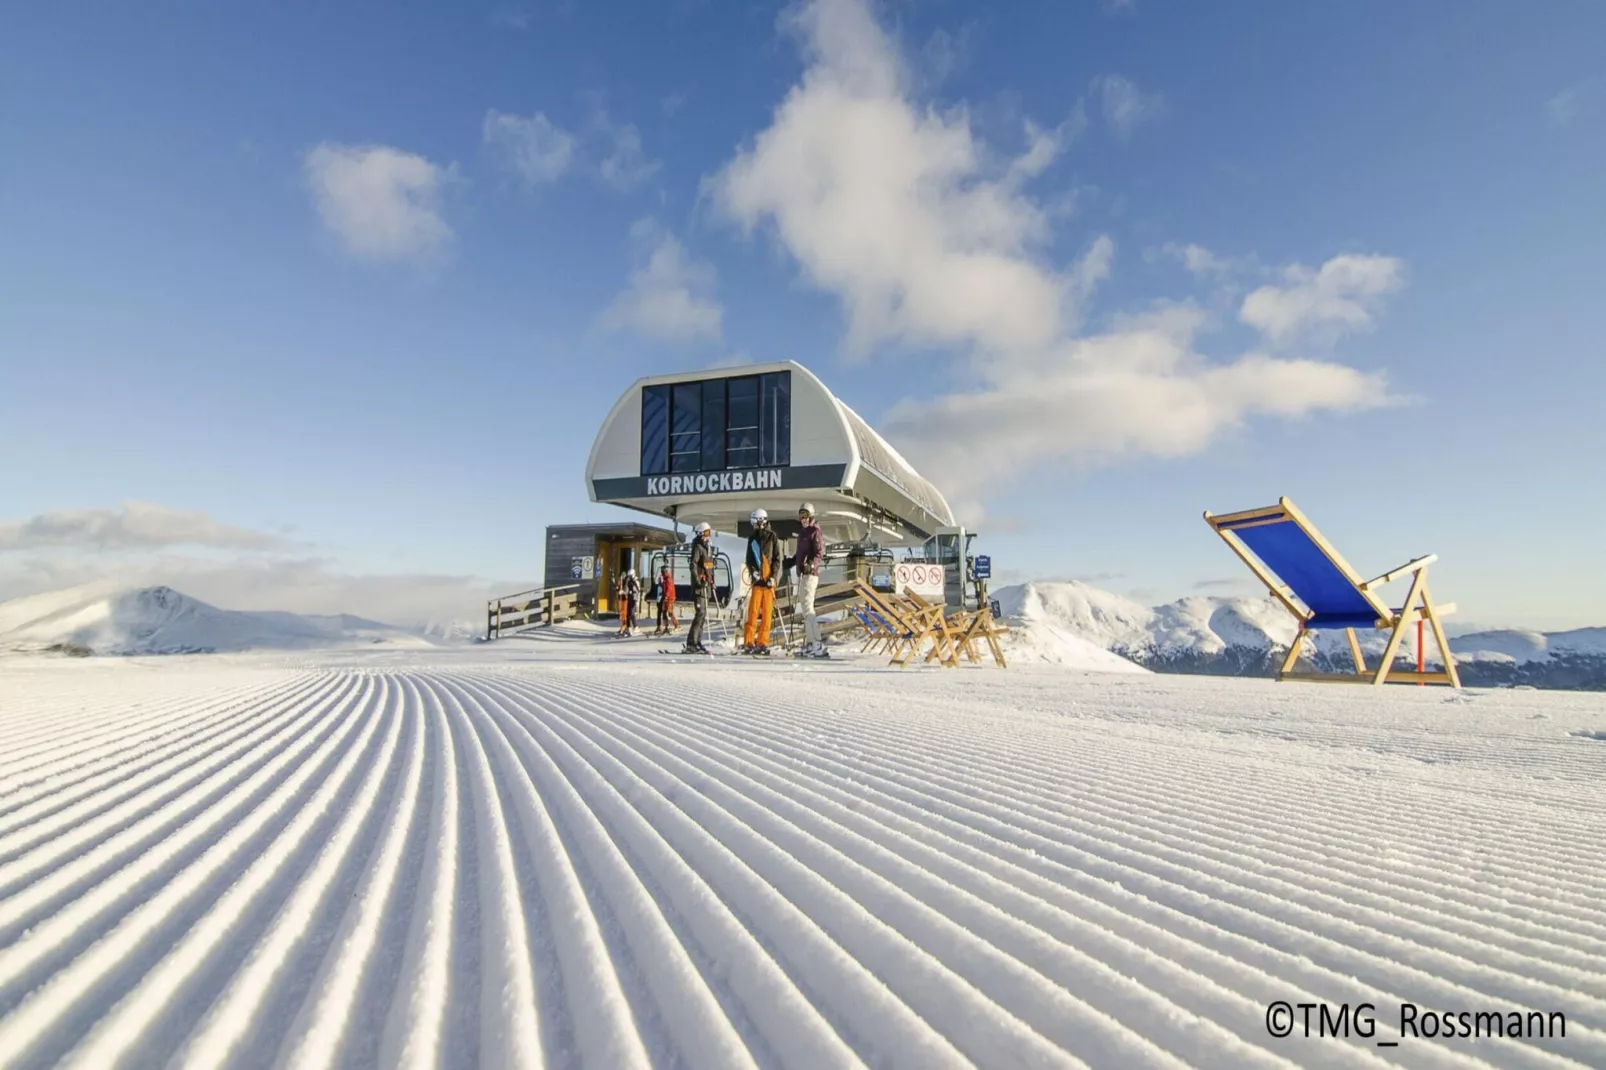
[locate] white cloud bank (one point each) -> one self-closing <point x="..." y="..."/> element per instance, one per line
<point x="382" y="203"/>
<point x="141" y="544"/>
<point x="130" y="526"/>
<point x="927" y="238"/>
<point x="670" y="296"/>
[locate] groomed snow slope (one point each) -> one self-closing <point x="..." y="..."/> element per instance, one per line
<point x="575" y="852"/>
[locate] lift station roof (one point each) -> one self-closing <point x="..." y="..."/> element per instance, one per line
<point x="714" y="445"/>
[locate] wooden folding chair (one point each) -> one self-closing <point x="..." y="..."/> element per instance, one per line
<point x="944" y="642"/>
<point x="1308" y="576"/>
<point x="912" y="623"/>
<point x="882" y="626"/>
<point x="978" y="626"/>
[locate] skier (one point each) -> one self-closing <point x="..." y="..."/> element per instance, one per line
<point x="764" y="566"/>
<point x="629" y="596"/>
<point x="702" y="587"/>
<point x="667" y="624"/>
<point x="807" y="560"/>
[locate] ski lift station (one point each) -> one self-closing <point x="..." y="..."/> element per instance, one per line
<point x="712" y="446"/>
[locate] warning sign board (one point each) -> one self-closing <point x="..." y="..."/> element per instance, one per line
<point x="924" y="580"/>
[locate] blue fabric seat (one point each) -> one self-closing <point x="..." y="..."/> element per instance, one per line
<point x="1304" y="572"/>
<point x="1300" y="562"/>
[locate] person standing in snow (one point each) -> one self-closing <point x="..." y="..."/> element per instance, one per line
<point x="702" y="587"/>
<point x="810" y="555"/>
<point x="667" y="624"/>
<point x="764" y="566"/>
<point x="629" y="597"/>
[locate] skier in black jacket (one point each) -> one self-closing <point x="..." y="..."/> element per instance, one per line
<point x="702" y="586"/>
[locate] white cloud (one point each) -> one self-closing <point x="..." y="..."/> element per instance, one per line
<point x="1126" y="107"/>
<point x="624" y="166"/>
<point x="535" y="148"/>
<point x="144" y="544"/>
<point x="511" y="19"/>
<point x="258" y="582"/>
<point x="1343" y="295"/>
<point x="945" y="54"/>
<point x="670" y="295"/>
<point x="381" y="202"/>
<point x="1199" y="261"/>
<point x="1140" y="390"/>
<point x="896" y="209"/>
<point x="539" y="150"/>
<point x="1562" y="109"/>
<point x="130" y="526"/>
<point x="928" y="238"/>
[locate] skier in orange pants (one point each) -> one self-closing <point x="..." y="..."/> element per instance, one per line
<point x="764" y="565"/>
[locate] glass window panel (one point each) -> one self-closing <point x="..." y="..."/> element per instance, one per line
<point x="775" y="424"/>
<point x="686" y="422"/>
<point x="688" y="408"/>
<point x="741" y="422"/>
<point x="714" y="422"/>
<point x="654" y="430"/>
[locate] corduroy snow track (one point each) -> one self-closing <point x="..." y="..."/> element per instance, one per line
<point x="533" y="857"/>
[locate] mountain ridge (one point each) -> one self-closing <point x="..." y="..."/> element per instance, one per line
<point x="102" y="618"/>
<point x="1247" y="637"/>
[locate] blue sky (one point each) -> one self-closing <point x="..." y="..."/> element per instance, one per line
<point x="339" y="294"/>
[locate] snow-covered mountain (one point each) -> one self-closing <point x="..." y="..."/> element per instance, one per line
<point x="1247" y="636"/>
<point x="159" y="620"/>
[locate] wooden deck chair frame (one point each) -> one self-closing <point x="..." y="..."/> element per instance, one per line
<point x="976" y="626"/>
<point x="944" y="642"/>
<point x="877" y="631"/>
<point x="882" y="626"/>
<point x="914" y="625"/>
<point x="921" y="622"/>
<point x="1418" y="605"/>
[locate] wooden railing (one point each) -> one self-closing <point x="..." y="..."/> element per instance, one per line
<point x="541" y="607"/>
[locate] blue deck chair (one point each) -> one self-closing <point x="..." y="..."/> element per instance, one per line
<point x="1308" y="576"/>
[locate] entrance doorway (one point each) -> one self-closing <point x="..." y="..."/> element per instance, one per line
<point x="615" y="557"/>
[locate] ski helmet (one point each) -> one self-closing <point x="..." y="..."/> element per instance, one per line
<point x="759" y="516"/>
<point x="806" y="509"/>
<point x="703" y="527"/>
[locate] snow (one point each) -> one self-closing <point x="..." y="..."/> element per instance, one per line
<point x="160" y="620"/>
<point x="1116" y="623"/>
<point x="1524" y="646"/>
<point x="1209" y="625"/>
<point x="570" y="850"/>
<point x="1050" y="626"/>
